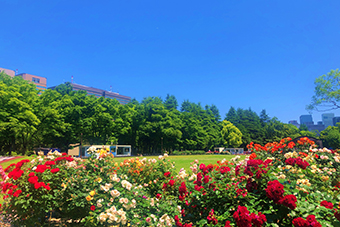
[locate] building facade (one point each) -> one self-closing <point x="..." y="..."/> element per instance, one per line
<point x="122" y="99"/>
<point x="39" y="81"/>
<point x="9" y="72"/>
<point x="306" y="119"/>
<point x="327" y="119"/>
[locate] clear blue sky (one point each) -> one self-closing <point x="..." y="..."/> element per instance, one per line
<point x="244" y="53"/>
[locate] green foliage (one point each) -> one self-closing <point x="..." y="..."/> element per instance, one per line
<point x="331" y="137"/>
<point x="327" y="92"/>
<point x="230" y="135"/>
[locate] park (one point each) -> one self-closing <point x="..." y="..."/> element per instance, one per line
<point x="284" y="179"/>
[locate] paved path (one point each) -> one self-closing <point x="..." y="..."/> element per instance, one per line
<point x="6" y="159"/>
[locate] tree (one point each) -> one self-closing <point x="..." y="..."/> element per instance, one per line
<point x="231" y="136"/>
<point x="331" y="137"/>
<point x="303" y="127"/>
<point x="327" y="92"/>
<point x="170" y="102"/>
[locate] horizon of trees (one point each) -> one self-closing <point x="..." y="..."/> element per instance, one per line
<point x="62" y="117"/>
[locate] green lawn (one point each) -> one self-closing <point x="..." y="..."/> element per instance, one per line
<point x="183" y="161"/>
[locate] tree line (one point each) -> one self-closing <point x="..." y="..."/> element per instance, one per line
<point x="63" y="117"/>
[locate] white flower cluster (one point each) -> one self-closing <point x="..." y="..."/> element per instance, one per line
<point x="106" y="187"/>
<point x="126" y="185"/>
<point x="182" y="174"/>
<point x="194" y="168"/>
<point x="113" y="216"/>
<point x="115" y="178"/>
<point x="126" y="204"/>
<point x="291" y="155"/>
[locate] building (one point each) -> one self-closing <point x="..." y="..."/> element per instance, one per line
<point x="336" y="120"/>
<point x="39" y="81"/>
<point x="295" y="123"/>
<point x="318" y="127"/>
<point x="306" y="119"/>
<point x="122" y="99"/>
<point x="327" y="119"/>
<point x="9" y="72"/>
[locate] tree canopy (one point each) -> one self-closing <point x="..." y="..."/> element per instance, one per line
<point x="327" y="92"/>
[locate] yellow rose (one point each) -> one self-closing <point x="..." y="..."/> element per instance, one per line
<point x="88" y="198"/>
<point x="92" y="193"/>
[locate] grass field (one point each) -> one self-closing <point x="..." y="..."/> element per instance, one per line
<point x="181" y="161"/>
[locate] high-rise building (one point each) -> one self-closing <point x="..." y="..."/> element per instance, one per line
<point x="327" y="119"/>
<point x="122" y="99"/>
<point x="336" y="120"/>
<point x="306" y="119"/>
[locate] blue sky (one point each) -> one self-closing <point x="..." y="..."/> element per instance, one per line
<point x="258" y="54"/>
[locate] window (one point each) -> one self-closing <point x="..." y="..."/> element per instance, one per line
<point x="35" y="80"/>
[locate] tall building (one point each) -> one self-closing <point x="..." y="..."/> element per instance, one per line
<point x="39" y="81"/>
<point x="306" y="119"/>
<point x="9" y="72"/>
<point x="122" y="99"/>
<point x="336" y="120"/>
<point x="327" y="119"/>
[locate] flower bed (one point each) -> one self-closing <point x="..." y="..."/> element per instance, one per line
<point x="279" y="184"/>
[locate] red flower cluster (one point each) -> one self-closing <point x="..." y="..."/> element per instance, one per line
<point x="179" y="224"/>
<point x="309" y="222"/>
<point x="253" y="166"/>
<point x="326" y="204"/>
<point x="41" y="168"/>
<point x="169" y="184"/>
<point x="182" y="191"/>
<point x="244" y="219"/>
<point x="297" y="161"/>
<point x="55" y="170"/>
<point x="275" y="192"/>
<point x="34" y="180"/>
<point x="211" y="218"/>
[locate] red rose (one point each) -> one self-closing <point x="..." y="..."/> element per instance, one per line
<point x="31" y="174"/>
<point x="167" y="174"/>
<point x="289" y="201"/>
<point x="258" y="220"/>
<point x="17" y="193"/>
<point x="171" y="182"/>
<point x="50" y="163"/>
<point x="55" y="170"/>
<point x="275" y="190"/>
<point x="33" y="179"/>
<point x="15" y="173"/>
<point x="300" y="222"/>
<point x="312" y="221"/>
<point x="40" y="168"/>
<point x="290" y="161"/>
<point x="93" y="208"/>
<point x="242" y="217"/>
<point x="301" y="163"/>
<point x="326" y="204"/>
<point x="337" y="215"/>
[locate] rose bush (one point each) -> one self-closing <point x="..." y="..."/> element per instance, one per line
<point x="279" y="184"/>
